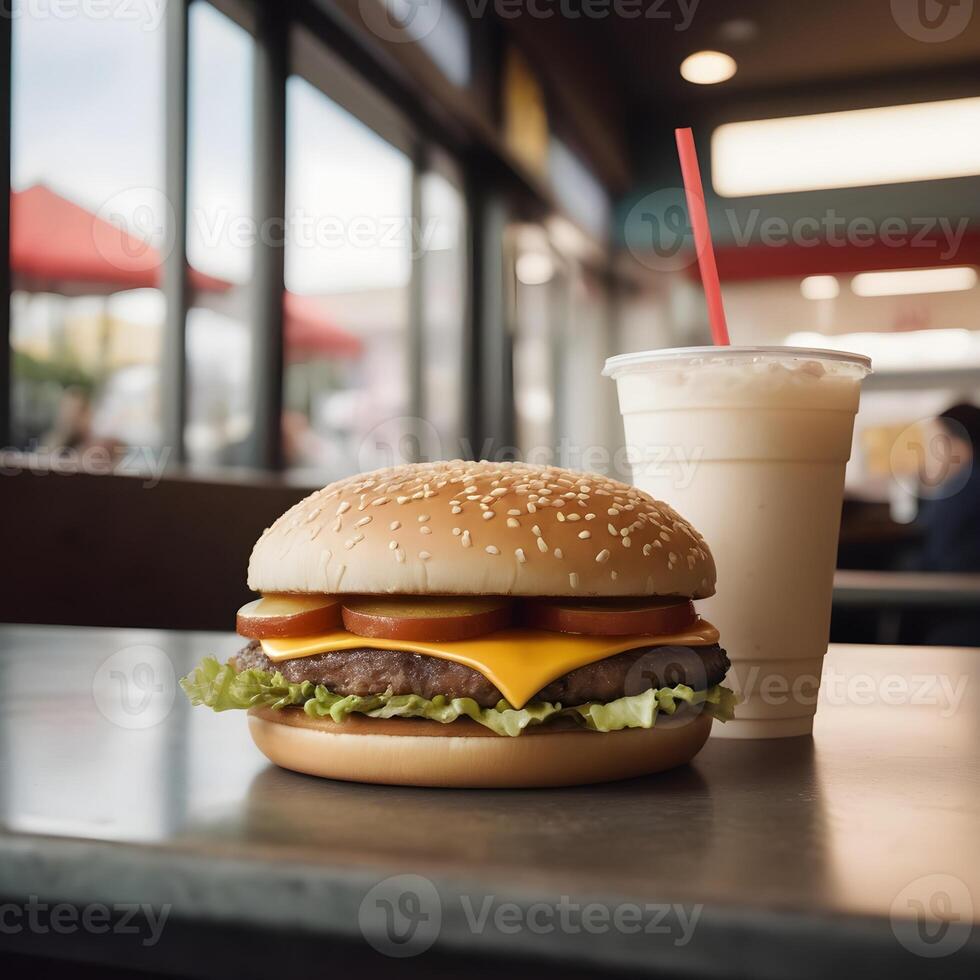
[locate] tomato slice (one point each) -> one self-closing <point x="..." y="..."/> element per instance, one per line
<point x="436" y="618"/>
<point x="288" y="615"/>
<point x="611" y="617"/>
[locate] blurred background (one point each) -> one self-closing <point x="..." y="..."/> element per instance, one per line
<point x="255" y="247"/>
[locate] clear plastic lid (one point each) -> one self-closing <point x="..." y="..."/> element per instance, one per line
<point x="694" y="356"/>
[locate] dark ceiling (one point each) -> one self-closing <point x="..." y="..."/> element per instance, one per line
<point x="779" y="43"/>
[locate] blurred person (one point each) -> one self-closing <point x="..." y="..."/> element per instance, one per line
<point x="950" y="522"/>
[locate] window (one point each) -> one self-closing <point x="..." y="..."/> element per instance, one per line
<point x="443" y="313"/>
<point x="349" y="240"/>
<point x="88" y="222"/>
<point x="219" y="233"/>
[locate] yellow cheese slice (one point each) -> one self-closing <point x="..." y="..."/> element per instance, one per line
<point x="518" y="662"/>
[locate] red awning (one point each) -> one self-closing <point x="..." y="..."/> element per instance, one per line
<point x="58" y="246"/>
<point x="309" y="331"/>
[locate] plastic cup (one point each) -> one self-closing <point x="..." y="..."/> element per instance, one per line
<point x="750" y="445"/>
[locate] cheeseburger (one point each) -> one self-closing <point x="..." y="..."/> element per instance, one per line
<point x="476" y="624"/>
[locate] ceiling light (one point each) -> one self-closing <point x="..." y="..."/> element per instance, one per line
<point x="861" y="147"/>
<point x="820" y="287"/>
<point x="534" y="268"/>
<point x="708" y="67"/>
<point x="905" y="282"/>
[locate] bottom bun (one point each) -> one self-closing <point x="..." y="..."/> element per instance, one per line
<point x="463" y="754"/>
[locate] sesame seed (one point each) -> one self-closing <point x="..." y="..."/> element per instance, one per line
<point x="392" y="545"/>
<point x="613" y="512"/>
<point x="399" y="555"/>
<point x="514" y="513"/>
<point x="614" y="575"/>
<point x="314" y="531"/>
<point x="531" y="509"/>
<point x="402" y="500"/>
<point x="521" y="557"/>
<point x="343" y="507"/>
<point x="571" y="517"/>
<point x="379" y="501"/>
<point x="665" y="535"/>
<point x="424" y="555"/>
<point x="499" y="492"/>
<point x="513" y="522"/>
<point x="422" y="518"/>
<point x="603" y="555"/>
<point x="590" y="517"/>
<point x="573" y="579"/>
<point x="647" y="549"/>
<point x="671" y="557"/>
<point x="657" y="544"/>
<point x="690" y="561"/>
<point x="457" y="510"/>
<point x="363" y="521"/>
<point x="559" y="553"/>
<point x="492" y="549"/>
<point x="394" y="525"/>
<point x="457" y="531"/>
<point x="425" y="529"/>
<point x="453" y="503"/>
<point x="541" y="545"/>
<point x="612" y="530"/>
<point x="338" y="523"/>
<point x="585" y="535"/>
<point x="470" y="490"/>
<point x="561" y="517"/>
<point x="467" y="542"/>
<point x="536" y="531"/>
<point x="626" y="542"/>
<point x="487" y="514"/>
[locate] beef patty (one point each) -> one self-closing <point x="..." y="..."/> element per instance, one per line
<point x="369" y="671"/>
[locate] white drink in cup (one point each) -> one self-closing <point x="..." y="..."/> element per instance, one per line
<point x="750" y="445"/>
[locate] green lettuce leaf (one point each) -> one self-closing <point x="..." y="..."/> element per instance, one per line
<point x="220" y="688"/>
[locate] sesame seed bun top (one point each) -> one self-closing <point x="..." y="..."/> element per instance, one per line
<point x="464" y="528"/>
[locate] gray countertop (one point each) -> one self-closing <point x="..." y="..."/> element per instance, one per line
<point x="760" y="859"/>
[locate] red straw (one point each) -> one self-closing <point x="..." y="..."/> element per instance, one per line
<point x="702" y="235"/>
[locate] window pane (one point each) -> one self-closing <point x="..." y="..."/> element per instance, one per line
<point x="87" y="230"/>
<point x="443" y="310"/>
<point x="220" y="231"/>
<point x="348" y="262"/>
